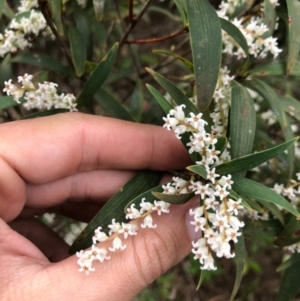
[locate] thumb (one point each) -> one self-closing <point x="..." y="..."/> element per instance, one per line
<point x="148" y="255"/>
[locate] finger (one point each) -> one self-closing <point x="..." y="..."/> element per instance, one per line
<point x="65" y="144"/>
<point x="148" y="255"/>
<point x="97" y="186"/>
<point x="49" y="243"/>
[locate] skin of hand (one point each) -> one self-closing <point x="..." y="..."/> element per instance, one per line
<point x="72" y="163"/>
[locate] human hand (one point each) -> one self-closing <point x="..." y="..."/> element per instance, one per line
<point x="72" y="163"/>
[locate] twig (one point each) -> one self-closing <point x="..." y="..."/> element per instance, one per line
<point x="44" y="11"/>
<point x="159" y="39"/>
<point x="131" y="11"/>
<point x="134" y="22"/>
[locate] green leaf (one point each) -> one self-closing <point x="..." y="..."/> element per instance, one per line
<point x="289" y="262"/>
<point x="275" y="68"/>
<point x="174" y="92"/>
<point x="269" y="18"/>
<point x="137" y="101"/>
<point x="243" y="122"/>
<point x="199" y="170"/>
<point x="235" y="196"/>
<point x="293" y="33"/>
<point x="240" y="255"/>
<point x="291" y="106"/>
<point x="236" y="34"/>
<point x="98" y="77"/>
<point x="99" y="8"/>
<point x="262" y="229"/>
<point x="7" y="102"/>
<point x="289" y="286"/>
<point x="112" y="106"/>
<point x="201" y="278"/>
<point x="258" y="191"/>
<point x="273" y="209"/>
<point x="271" y="97"/>
<point x="165" y="105"/>
<point x="250" y="161"/>
<point x="114" y="208"/>
<point x="6" y="72"/>
<point x="78" y="50"/>
<point x="2" y="4"/>
<point x="206" y="43"/>
<point x="253" y="205"/>
<point x="186" y="62"/>
<point x="182" y="11"/>
<point x="221" y="144"/>
<point x="100" y="34"/>
<point x="290" y="234"/>
<point x="43" y="61"/>
<point x="55" y="8"/>
<point x="174" y="198"/>
<point x="45" y="113"/>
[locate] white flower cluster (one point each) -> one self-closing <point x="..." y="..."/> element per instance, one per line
<point x="87" y="257"/>
<point x="15" y="35"/>
<point x="252" y="30"/>
<point x="43" y="97"/>
<point x="217" y="214"/>
<point x="292" y="193"/>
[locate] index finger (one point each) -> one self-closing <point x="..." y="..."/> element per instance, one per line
<point x="51" y="148"/>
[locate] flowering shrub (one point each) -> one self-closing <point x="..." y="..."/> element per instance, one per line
<point x="235" y="108"/>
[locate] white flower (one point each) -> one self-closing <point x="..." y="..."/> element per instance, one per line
<point x="199" y="223"/>
<point x="132" y="212"/>
<point x="117" y="244"/>
<point x="114" y="227"/>
<point x="161" y="206"/>
<point x="208" y="263"/>
<point x="145" y="206"/>
<point x="99" y="236"/>
<point x="128" y="229"/>
<point x="148" y="222"/>
<point x="234" y="206"/>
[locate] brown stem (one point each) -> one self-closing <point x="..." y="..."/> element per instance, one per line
<point x="134" y="22"/>
<point x="44" y="10"/>
<point x="159" y="39"/>
<point x="131" y="11"/>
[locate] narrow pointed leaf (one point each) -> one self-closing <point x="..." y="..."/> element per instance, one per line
<point x="289" y="262"/>
<point x="289" y="285"/>
<point x="99" y="8"/>
<point x="45" y="113"/>
<point x="78" y="50"/>
<point x="137" y="101"/>
<point x="291" y="106"/>
<point x="55" y="8"/>
<point x="235" y="196"/>
<point x="114" y="208"/>
<point x="275" y="68"/>
<point x="7" y="102"/>
<point x="111" y="106"/>
<point x="2" y="4"/>
<point x="253" y="204"/>
<point x="262" y="229"/>
<point x="271" y="97"/>
<point x="165" y="105"/>
<point x="240" y="255"/>
<point x="201" y="278"/>
<point x="243" y="122"/>
<point x="290" y="234"/>
<point x="258" y="191"/>
<point x="206" y="43"/>
<point x="250" y="161"/>
<point x="293" y="33"/>
<point x="174" y="92"/>
<point x="186" y="62"/>
<point x="98" y="77"/>
<point x="199" y="170"/>
<point x="273" y="209"/>
<point x="236" y="34"/>
<point x="269" y="18"/>
<point x="173" y="198"/>
<point x="221" y="144"/>
<point x="182" y="11"/>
